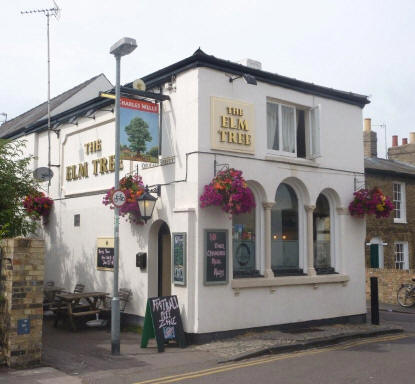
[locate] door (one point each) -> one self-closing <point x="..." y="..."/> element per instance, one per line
<point x="374" y="255"/>
<point x="164" y="261"/>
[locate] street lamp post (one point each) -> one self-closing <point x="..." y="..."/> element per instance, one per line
<point x="121" y="48"/>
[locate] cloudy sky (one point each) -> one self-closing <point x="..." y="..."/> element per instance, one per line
<point x="364" y="46"/>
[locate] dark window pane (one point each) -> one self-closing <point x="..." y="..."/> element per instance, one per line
<point x="284" y="230"/>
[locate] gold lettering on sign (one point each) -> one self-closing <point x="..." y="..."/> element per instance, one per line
<point x="95" y="164"/>
<point x="93" y="146"/>
<point x="103" y="165"/>
<point x="234" y="121"/>
<point x="83" y="170"/>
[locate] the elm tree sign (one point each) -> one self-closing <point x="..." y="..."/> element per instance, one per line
<point x="139" y="130"/>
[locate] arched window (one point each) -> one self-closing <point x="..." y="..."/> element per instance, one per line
<point x="244" y="244"/>
<point x="285" y="232"/>
<point x="322" y="236"/>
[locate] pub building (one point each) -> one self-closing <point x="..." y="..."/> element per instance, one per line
<point x="296" y="256"/>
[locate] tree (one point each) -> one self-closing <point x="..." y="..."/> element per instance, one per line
<point x="138" y="134"/>
<point x="16" y="182"/>
<point x="153" y="151"/>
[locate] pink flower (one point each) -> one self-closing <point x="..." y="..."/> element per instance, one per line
<point x="229" y="191"/>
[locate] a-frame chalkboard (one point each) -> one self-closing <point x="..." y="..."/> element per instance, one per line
<point x="163" y="321"/>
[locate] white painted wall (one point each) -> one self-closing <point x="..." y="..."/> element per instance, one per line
<point x="186" y="130"/>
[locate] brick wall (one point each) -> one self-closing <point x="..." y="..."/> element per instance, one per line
<point x="21" y="285"/>
<point x="385" y="228"/>
<point x="389" y="281"/>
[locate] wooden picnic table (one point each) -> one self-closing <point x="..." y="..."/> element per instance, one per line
<point x="70" y="304"/>
<point x="49" y="295"/>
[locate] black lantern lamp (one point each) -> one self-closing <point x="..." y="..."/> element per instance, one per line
<point x="147" y="202"/>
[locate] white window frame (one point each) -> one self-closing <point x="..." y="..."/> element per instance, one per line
<point x="402" y="210"/>
<point x="309" y="127"/>
<point x="404" y="263"/>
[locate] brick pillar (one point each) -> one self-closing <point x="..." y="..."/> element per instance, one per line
<point x="22" y="272"/>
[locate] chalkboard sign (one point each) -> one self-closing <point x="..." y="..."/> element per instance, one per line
<point x="216" y="256"/>
<point x="163" y="321"/>
<point x="105" y="258"/>
<point x="105" y="253"/>
<point x="178" y="248"/>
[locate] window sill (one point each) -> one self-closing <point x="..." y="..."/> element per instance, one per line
<point x="400" y="221"/>
<point x="289" y="280"/>
<point x="291" y="160"/>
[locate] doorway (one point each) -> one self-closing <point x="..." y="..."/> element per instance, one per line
<point x="374" y="255"/>
<point x="164" y="261"/>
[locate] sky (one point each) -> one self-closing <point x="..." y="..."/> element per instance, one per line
<point x="363" y="46"/>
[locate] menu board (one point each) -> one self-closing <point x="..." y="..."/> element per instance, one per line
<point x="179" y="258"/>
<point x="105" y="253"/>
<point x="216" y="256"/>
<point x="163" y="321"/>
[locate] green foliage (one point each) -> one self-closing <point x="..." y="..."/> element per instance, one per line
<point x="138" y="134"/>
<point x="153" y="152"/>
<point x="16" y="182"/>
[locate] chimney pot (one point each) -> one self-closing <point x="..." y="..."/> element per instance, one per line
<point x="368" y="125"/>
<point x="404" y="141"/>
<point x="394" y="140"/>
<point x="412" y="138"/>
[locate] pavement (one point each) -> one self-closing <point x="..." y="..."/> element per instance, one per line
<point x="84" y="356"/>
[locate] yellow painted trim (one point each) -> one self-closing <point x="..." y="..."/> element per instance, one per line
<point x="107" y="95"/>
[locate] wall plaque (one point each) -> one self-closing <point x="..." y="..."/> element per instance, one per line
<point x="232" y="125"/>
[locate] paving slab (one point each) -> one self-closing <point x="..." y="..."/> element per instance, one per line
<point x="291" y="339"/>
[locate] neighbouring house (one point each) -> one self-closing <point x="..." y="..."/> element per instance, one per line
<point x="297" y="256"/>
<point x="390" y="242"/>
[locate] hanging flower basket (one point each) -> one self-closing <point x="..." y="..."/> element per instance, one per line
<point x="229" y="191"/>
<point x="38" y="205"/>
<point x="371" y="202"/>
<point x="133" y="188"/>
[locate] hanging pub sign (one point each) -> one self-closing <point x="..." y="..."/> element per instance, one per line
<point x="179" y="258"/>
<point x="232" y="125"/>
<point x="163" y="321"/>
<point x="105" y="253"/>
<point x="216" y="256"/>
<point x="139" y="130"/>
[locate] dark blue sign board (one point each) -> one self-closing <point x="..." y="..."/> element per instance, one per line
<point x="23" y="326"/>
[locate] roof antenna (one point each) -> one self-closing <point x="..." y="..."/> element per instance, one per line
<point x="55" y="11"/>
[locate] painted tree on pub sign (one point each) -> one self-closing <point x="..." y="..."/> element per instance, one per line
<point x="138" y="134"/>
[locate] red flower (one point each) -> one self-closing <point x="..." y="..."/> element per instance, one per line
<point x="228" y="190"/>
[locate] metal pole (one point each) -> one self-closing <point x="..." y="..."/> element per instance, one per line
<point x="374" y="300"/>
<point x="115" y="303"/>
<point x="49" y="149"/>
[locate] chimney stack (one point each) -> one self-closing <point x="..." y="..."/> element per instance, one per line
<point x="370" y="141"/>
<point x="404" y="152"/>
<point x="368" y="125"/>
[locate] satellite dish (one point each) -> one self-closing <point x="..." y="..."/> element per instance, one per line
<point x="139" y="84"/>
<point x="42" y="174"/>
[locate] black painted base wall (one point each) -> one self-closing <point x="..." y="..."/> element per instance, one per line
<point x="202" y="338"/>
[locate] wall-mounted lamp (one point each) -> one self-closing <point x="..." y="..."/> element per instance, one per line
<point x="147" y="202"/>
<point x="249" y="79"/>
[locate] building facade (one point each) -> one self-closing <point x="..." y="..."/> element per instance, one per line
<point x="298" y="256"/>
<point x="390" y="241"/>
